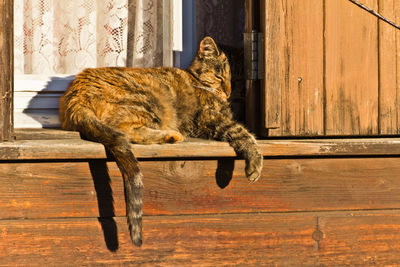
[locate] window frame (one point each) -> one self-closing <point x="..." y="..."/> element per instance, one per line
<point x="7" y="67"/>
<point x="11" y="88"/>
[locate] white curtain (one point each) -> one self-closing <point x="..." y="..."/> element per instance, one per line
<point x="63" y="37"/>
<point x="56" y="39"/>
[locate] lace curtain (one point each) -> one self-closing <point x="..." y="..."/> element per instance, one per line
<point x="63" y="37"/>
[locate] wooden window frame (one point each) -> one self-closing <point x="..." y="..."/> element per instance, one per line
<point x="7" y="70"/>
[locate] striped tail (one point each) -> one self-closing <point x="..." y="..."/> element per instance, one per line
<point x="133" y="185"/>
<point x="119" y="146"/>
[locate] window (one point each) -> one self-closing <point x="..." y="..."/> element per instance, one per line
<point x="49" y="49"/>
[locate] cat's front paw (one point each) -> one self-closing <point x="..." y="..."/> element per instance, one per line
<point x="254" y="167"/>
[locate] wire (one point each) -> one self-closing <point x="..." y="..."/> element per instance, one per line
<point x="375" y="14"/>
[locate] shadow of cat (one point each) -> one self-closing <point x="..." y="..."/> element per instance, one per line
<point x="105" y="202"/>
<point x="224" y="172"/>
<point x="42" y="108"/>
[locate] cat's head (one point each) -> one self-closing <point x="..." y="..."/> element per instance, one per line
<point x="211" y="67"/>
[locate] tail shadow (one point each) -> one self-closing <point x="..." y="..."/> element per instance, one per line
<point x="105" y="202"/>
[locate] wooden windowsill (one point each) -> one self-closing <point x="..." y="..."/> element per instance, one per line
<point x="49" y="144"/>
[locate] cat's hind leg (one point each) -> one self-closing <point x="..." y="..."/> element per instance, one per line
<point x="146" y="135"/>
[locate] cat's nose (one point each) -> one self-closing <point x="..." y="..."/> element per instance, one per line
<point x="227" y="89"/>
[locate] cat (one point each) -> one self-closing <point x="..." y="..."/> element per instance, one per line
<point x="117" y="106"/>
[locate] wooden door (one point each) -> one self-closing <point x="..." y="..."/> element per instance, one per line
<point x="331" y="68"/>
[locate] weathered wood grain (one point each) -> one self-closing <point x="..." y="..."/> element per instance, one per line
<point x="271" y="83"/>
<point x="46" y="144"/>
<point x="301" y="71"/>
<point x="251" y="240"/>
<point x="351" y="68"/>
<point x="297" y="239"/>
<point x="7" y="69"/>
<point x="389" y="65"/>
<point x="81" y="189"/>
<point x="338" y="68"/>
<point x="359" y="239"/>
<point x="44" y="134"/>
<point x="398" y="58"/>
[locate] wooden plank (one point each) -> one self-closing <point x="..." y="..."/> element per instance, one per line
<point x="351" y="69"/>
<point x="271" y="84"/>
<point x="215" y="240"/>
<point x="301" y="73"/>
<point x="299" y="239"/>
<point x="7" y="69"/>
<point x="44" y="134"/>
<point x="42" y="83"/>
<point x="167" y="33"/>
<point x="389" y="64"/>
<point x="37" y="118"/>
<point x="366" y="239"/>
<point x="49" y="190"/>
<point x="398" y="58"/>
<point x="34" y="100"/>
<point x="51" y="149"/>
<point x="67" y="148"/>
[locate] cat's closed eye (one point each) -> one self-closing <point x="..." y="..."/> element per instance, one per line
<point x="218" y="77"/>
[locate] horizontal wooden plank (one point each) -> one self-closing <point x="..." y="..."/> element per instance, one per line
<point x="252" y="240"/>
<point x="297" y="239"/>
<point x="50" y="149"/>
<point x="36" y="118"/>
<point x="44" y="134"/>
<point x="195" y="148"/>
<point x="42" y="83"/>
<point x="33" y="100"/>
<point x="366" y="239"/>
<point x="36" y="100"/>
<point x="83" y="189"/>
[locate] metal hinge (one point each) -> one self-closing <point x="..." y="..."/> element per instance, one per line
<point x="254" y="55"/>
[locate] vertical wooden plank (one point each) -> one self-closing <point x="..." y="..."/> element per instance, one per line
<point x="7" y="68"/>
<point x="167" y="9"/>
<point x="389" y="52"/>
<point x="301" y="63"/>
<point x="351" y="68"/>
<point x="397" y="7"/>
<point x="271" y="86"/>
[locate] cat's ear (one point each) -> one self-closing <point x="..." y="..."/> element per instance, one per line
<point x="208" y="48"/>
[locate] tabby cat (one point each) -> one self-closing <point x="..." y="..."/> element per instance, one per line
<point x="118" y="106"/>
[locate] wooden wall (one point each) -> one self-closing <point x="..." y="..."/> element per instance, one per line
<point x="302" y="213"/>
<point x="336" y="69"/>
<point x="318" y="203"/>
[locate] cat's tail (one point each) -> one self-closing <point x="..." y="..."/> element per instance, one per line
<point x="119" y="146"/>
